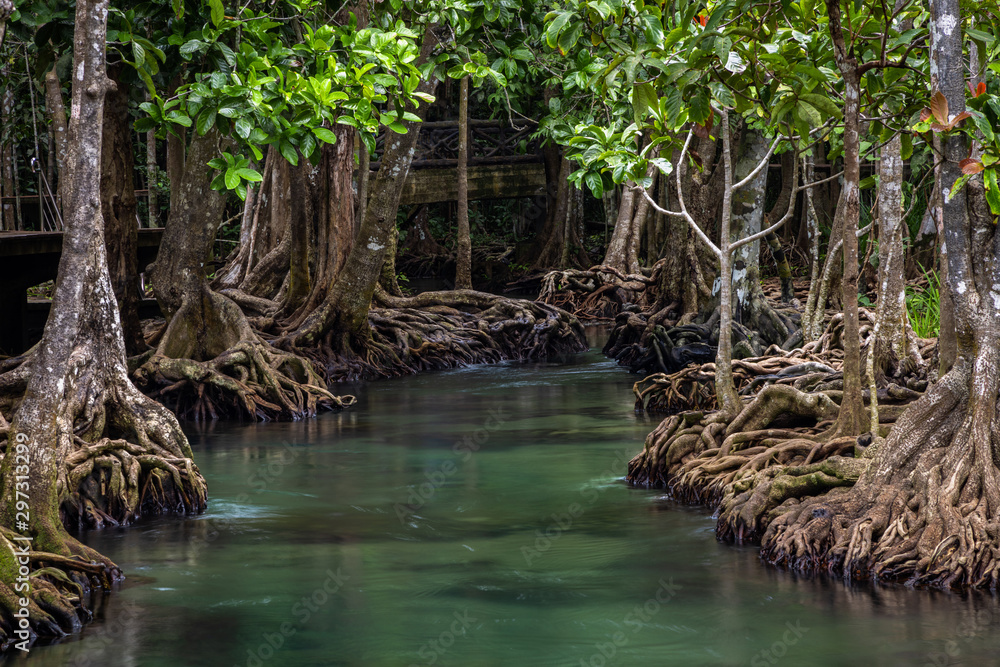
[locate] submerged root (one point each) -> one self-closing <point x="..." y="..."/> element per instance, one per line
<point x="251" y="380"/>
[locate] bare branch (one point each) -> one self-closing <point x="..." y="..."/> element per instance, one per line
<point x="763" y="163"/>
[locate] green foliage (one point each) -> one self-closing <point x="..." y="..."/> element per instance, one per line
<point x="923" y="306"/>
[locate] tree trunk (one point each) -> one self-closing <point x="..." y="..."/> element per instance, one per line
<point x="79" y="409"/>
<point x="57" y="118"/>
<point x="118" y="208"/>
<point x="895" y="351"/>
<point x="176" y="152"/>
<point x="342" y="320"/>
<point x="10" y="215"/>
<point x="152" y="180"/>
<point x="463" y="270"/>
<point x="209" y="358"/>
<point x="851" y="408"/>
<point x="924" y="509"/>
<point x="559" y="235"/>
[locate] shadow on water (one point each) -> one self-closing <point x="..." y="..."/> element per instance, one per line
<point x="479" y="517"/>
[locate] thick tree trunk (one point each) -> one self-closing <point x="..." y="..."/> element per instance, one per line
<point x="209" y="359"/>
<point x="201" y="324"/>
<point x="118" y="208"/>
<point x="342" y="319"/>
<point x="924" y="508"/>
<point x="463" y="260"/>
<point x="92" y="444"/>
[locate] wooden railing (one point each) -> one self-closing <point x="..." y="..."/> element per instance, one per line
<point x="491" y="142"/>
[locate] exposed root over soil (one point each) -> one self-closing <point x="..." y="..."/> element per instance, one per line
<point x="250" y="380"/>
<point x="436" y="330"/>
<point x="599" y="293"/>
<point x="59" y="587"/>
<point x="923" y="510"/>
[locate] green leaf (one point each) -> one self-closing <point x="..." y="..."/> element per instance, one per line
<point x="643" y="99"/>
<point x="218" y="14"/>
<point x="700" y="107"/>
<point x="189" y="48"/>
<point x="250" y="175"/>
<point x="809" y="113"/>
<point x="206" y="119"/>
<point x="243" y="128"/>
<point x="325" y="135"/>
<point x="552" y="32"/>
<point x="289" y="153"/>
<point x="823" y="104"/>
<point x="232" y="179"/>
<point x="992" y="191"/>
<point x="397" y="127"/>
<point x="595" y="183"/>
<point x="964" y="178"/>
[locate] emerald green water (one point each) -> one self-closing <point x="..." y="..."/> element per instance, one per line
<point x="309" y="554"/>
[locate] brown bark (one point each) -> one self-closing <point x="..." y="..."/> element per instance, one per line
<point x="559" y="234"/>
<point x="342" y="319"/>
<point x="57" y="117"/>
<point x="851" y="409"/>
<point x="118" y="207"/>
<point x="463" y="260"/>
<point x="7" y="163"/>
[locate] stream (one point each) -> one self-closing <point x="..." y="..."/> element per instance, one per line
<point x="478" y="517"/>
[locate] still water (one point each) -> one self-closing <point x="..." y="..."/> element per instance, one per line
<point x="478" y="517"/>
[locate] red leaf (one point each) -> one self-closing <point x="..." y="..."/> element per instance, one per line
<point x="700" y="131"/>
<point x="971" y="166"/>
<point x="972" y="89"/>
<point x="939" y="107"/>
<point x="958" y="119"/>
<point x="925" y="114"/>
<point x="981" y="88"/>
<point x="697" y="158"/>
<point x="710" y="123"/>
<point x="938" y="127"/>
<point x="703" y="20"/>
